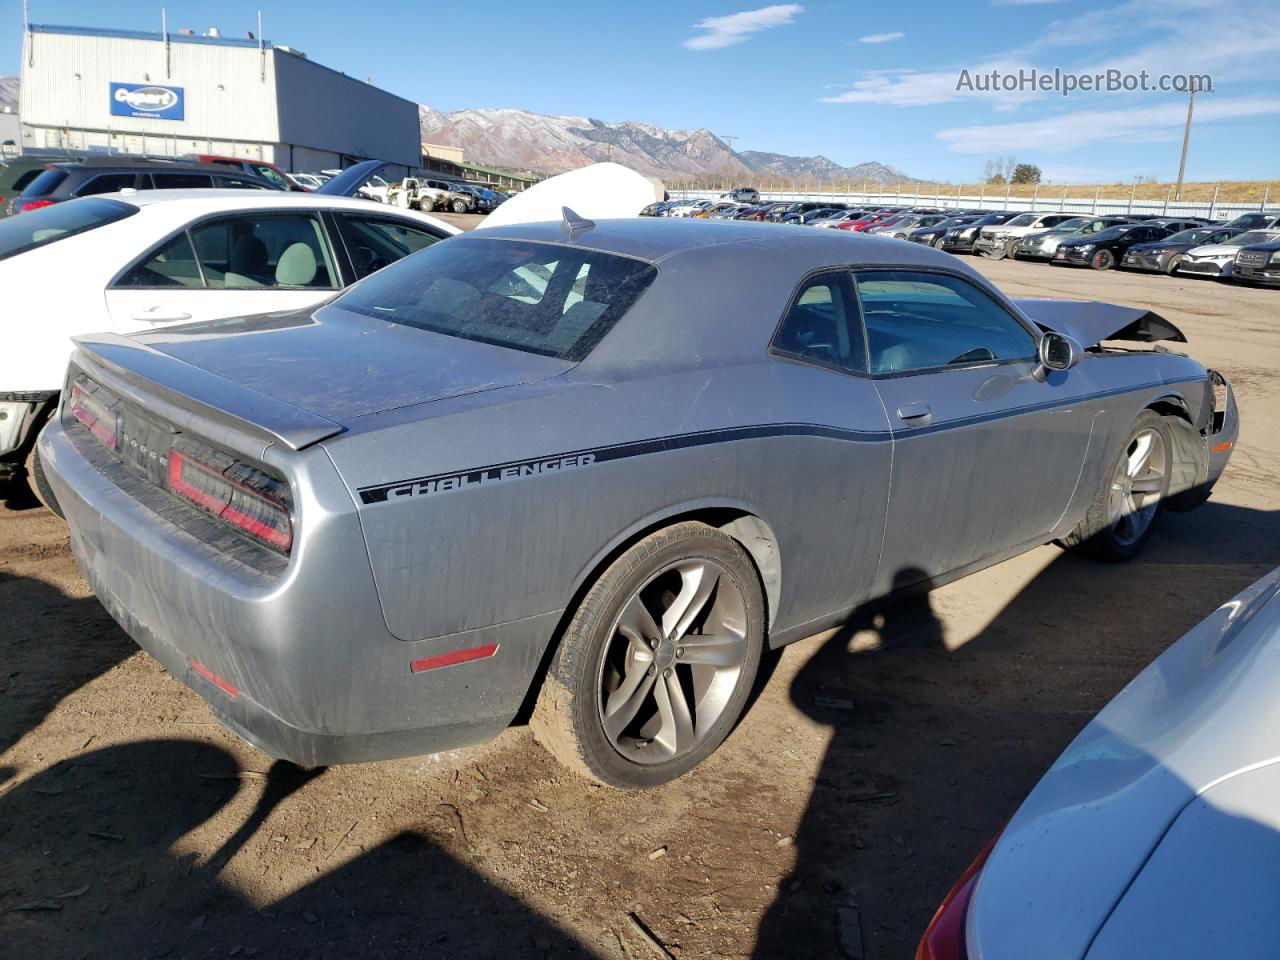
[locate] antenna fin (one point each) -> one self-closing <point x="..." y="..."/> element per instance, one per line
<point x="574" y="224"/>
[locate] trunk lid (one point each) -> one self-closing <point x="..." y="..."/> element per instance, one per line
<point x="338" y="365"/>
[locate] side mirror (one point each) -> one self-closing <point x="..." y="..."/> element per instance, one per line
<point x="1058" y="352"/>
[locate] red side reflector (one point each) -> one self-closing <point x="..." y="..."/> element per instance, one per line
<point x="213" y="678"/>
<point x="1222" y="448"/>
<point x="455" y="657"/>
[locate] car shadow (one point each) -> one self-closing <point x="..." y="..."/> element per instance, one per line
<point x="95" y="865"/>
<point x="52" y="645"/>
<point x="934" y="744"/>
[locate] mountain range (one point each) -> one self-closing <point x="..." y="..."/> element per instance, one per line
<point x="550" y="143"/>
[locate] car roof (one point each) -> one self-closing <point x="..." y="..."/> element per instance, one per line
<point x="657" y="239"/>
<point x="183" y="205"/>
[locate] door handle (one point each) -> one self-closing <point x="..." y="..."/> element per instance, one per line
<point x="158" y="315"/>
<point x="917" y="414"/>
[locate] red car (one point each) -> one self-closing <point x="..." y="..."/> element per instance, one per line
<point x="259" y="168"/>
<point x="875" y="220"/>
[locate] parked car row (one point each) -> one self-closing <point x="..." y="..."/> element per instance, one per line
<point x="1247" y="248"/>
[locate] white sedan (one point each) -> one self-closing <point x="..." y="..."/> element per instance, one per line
<point x="135" y="261"/>
<point x="1157" y="832"/>
<point x="1218" y="259"/>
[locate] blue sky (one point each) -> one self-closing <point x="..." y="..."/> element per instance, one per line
<point x="854" y="81"/>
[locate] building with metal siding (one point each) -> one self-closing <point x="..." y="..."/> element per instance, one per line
<point x="172" y="94"/>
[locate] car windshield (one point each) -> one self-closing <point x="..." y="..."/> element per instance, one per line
<point x="51" y="224"/>
<point x="1252" y="236"/>
<point x="536" y="297"/>
<point x="270" y="175"/>
<point x="1110" y="233"/>
<point x="1075" y="223"/>
<point x="1199" y="235"/>
<point x="1023" y="220"/>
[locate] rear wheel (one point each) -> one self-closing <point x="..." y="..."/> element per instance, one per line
<point x="1103" y="260"/>
<point x="1124" y="511"/>
<point x="656" y="666"/>
<point x="39" y="483"/>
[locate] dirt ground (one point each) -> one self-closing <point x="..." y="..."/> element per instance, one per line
<point x="873" y="766"/>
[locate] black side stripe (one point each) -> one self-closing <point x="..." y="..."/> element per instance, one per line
<point x="513" y="469"/>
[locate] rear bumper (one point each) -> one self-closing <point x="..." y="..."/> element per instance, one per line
<point x="301" y="665"/>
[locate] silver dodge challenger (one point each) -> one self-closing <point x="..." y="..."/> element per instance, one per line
<point x="595" y="469"/>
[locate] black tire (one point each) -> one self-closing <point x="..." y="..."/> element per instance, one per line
<point x="1103" y="260"/>
<point x="1011" y="249"/>
<point x="39" y="483"/>
<point x="938" y="243"/>
<point x="1171" y="266"/>
<point x="1098" y="532"/>
<point x="567" y="718"/>
<point x="459" y="206"/>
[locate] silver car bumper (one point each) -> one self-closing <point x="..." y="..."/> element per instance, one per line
<point x="300" y="664"/>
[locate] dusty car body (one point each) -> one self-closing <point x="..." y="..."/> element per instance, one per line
<point x="1156" y="833"/>
<point x="1219" y="259"/>
<point x="424" y="505"/>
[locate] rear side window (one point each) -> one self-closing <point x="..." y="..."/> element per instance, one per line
<point x="922" y="321"/>
<point x="173" y="265"/>
<point x="106" y="183"/>
<point x="181" y="181"/>
<point x="818" y="326"/>
<point x="271" y="250"/>
<point x="536" y="297"/>
<point x="47" y="182"/>
<point x="239" y="183"/>
<point x="374" y="242"/>
<point x="51" y="224"/>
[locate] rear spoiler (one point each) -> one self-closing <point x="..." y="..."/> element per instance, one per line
<point x="194" y="399"/>
<point x="1091" y="322"/>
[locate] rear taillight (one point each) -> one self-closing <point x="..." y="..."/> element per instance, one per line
<point x="944" y="939"/>
<point x="96" y="412"/>
<point x="33" y="205"/>
<point x="242" y="496"/>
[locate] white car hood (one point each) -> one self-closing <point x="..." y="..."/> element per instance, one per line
<point x="1214" y="250"/>
<point x="1204" y="712"/>
<point x="602" y="191"/>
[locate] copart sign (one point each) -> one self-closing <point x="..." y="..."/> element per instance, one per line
<point x="147" y="100"/>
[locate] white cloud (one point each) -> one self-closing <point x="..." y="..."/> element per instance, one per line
<point x="1069" y="131"/>
<point x="882" y="37"/>
<point x="736" y="27"/>
<point x="1233" y="40"/>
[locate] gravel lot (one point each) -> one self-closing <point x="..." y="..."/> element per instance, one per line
<point x="874" y="765"/>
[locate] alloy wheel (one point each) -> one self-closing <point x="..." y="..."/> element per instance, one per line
<point x="1138" y="486"/>
<point x="672" y="661"/>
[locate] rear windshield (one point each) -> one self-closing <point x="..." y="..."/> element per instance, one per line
<point x="51" y="224"/>
<point x="45" y="184"/>
<point x="557" y="301"/>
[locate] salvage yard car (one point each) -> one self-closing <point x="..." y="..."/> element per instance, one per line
<point x="1157" y="832"/>
<point x="1163" y="256"/>
<point x="598" y="466"/>
<point x="1219" y="259"/>
<point x="160" y="257"/>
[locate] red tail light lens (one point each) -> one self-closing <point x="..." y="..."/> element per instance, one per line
<point x="33" y="205"/>
<point x="248" y="499"/>
<point x="94" y="411"/>
<point x="944" y="939"/>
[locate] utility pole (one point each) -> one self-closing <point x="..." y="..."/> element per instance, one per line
<point x="728" y="163"/>
<point x="1186" y="139"/>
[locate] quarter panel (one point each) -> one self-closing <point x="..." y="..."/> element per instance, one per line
<point x="467" y="547"/>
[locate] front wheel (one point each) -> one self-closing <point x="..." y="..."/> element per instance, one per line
<point x="1172" y="265"/>
<point x="656" y="666"/>
<point x="1124" y="511"/>
<point x="459" y="206"/>
<point x="939" y="243"/>
<point x="1103" y="260"/>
